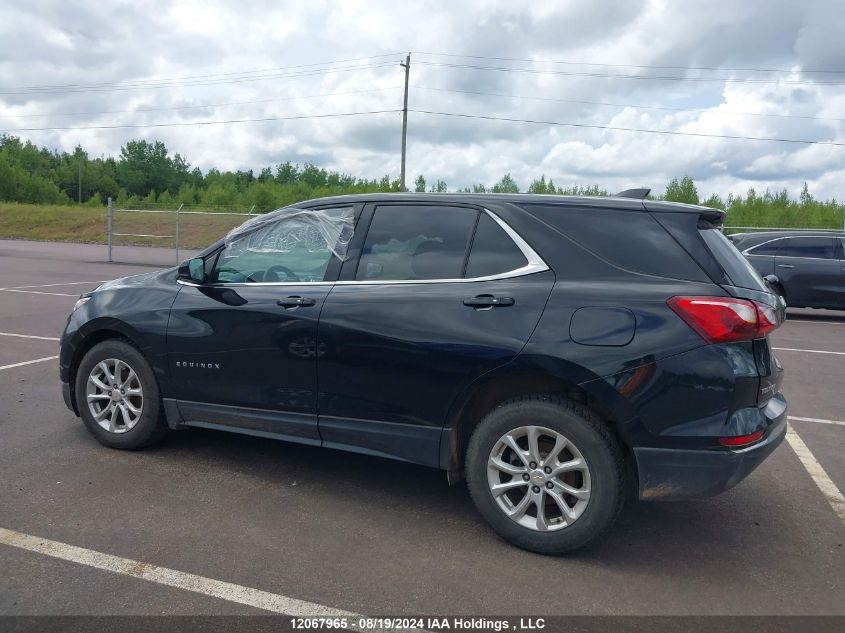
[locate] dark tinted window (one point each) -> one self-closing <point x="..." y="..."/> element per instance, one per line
<point x="738" y="269"/>
<point x="416" y="242"/>
<point x="629" y="239"/>
<point x="493" y="251"/>
<point x="817" y="247"/>
<point x="769" y="248"/>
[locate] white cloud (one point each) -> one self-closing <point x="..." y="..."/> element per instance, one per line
<point x="50" y="43"/>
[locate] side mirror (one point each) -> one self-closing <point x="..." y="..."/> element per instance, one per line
<point x="772" y="280"/>
<point x="193" y="270"/>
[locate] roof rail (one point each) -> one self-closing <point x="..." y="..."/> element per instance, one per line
<point x="637" y="194"/>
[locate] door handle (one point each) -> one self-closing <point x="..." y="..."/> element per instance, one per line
<point x="488" y="301"/>
<point x="785" y="266"/>
<point x="296" y="302"/>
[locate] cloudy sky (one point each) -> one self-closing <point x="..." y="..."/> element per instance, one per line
<point x="773" y="69"/>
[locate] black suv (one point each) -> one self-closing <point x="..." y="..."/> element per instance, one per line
<point x="809" y="266"/>
<point x="557" y="352"/>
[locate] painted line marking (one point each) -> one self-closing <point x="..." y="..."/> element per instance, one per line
<point x="37" y="292"/>
<point x="40" y="338"/>
<point x="257" y="598"/>
<point x="28" y="362"/>
<point x="808" y="351"/>
<point x="812" y="321"/>
<point x="68" y="283"/>
<point x="820" y="477"/>
<point x="816" y="420"/>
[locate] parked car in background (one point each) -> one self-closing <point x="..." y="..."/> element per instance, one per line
<point x="557" y="352"/>
<point x="809" y="266"/>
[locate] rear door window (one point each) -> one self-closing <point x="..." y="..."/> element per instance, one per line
<point x="416" y="242"/>
<point x="493" y="252"/>
<point x="809" y="247"/>
<point x="767" y="248"/>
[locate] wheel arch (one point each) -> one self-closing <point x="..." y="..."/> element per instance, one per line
<point x="94" y="334"/>
<point x="497" y="387"/>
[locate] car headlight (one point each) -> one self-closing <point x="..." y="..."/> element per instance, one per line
<point x="80" y="302"/>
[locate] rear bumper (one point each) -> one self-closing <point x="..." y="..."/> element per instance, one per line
<point x="689" y="474"/>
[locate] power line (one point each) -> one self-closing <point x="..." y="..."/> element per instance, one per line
<point x="198" y="107"/>
<point x="627" y="129"/>
<point x="190" y="123"/>
<point x="624" y="105"/>
<point x="213" y="75"/>
<point x="96" y="88"/>
<point x="535" y="71"/>
<point x="605" y="65"/>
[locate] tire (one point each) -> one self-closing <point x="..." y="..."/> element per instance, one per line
<point x="592" y="463"/>
<point x="131" y="430"/>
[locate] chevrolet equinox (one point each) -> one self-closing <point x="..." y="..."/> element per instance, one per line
<point x="559" y="353"/>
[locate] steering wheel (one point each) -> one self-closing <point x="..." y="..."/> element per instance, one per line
<point x="276" y="269"/>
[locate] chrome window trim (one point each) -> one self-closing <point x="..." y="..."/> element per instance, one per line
<point x="535" y="265"/>
<point x="748" y="251"/>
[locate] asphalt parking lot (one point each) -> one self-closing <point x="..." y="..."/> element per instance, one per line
<point x="373" y="536"/>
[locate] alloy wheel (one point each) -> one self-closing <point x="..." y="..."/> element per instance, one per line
<point x="115" y="396"/>
<point x="538" y="478"/>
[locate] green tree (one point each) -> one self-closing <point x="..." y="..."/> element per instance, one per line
<point x="684" y="191"/>
<point x="419" y="184"/>
<point x="506" y="185"/>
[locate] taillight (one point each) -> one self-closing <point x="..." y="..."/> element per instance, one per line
<point x="725" y="319"/>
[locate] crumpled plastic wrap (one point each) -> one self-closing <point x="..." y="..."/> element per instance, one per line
<point x="283" y="230"/>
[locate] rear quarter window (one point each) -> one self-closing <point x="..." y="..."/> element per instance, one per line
<point x="740" y="272"/>
<point x="631" y="240"/>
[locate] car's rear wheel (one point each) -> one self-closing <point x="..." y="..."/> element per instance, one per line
<point x="118" y="396"/>
<point x="546" y="473"/>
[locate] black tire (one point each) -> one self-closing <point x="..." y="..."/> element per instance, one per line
<point x="151" y="425"/>
<point x="588" y="433"/>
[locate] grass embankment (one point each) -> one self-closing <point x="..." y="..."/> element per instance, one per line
<point x="88" y="225"/>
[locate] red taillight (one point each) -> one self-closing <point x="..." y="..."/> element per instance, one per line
<point x="742" y="440"/>
<point x="725" y="319"/>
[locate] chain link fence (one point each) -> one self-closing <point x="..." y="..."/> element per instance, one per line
<point x="176" y="229"/>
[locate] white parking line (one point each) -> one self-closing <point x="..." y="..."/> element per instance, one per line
<point x="28" y="362"/>
<point x="265" y="600"/>
<point x="812" y="321"/>
<point x="816" y="420"/>
<point x="40" y="338"/>
<point x="820" y="477"/>
<point x="37" y="292"/>
<point x="808" y="351"/>
<point x="67" y="283"/>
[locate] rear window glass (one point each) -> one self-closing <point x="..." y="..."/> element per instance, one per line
<point x="416" y="242"/>
<point x="628" y="239"/>
<point x="736" y="267"/>
<point x="814" y="247"/>
<point x="493" y="251"/>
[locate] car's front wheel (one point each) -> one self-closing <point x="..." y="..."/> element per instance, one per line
<point x="546" y="473"/>
<point x="118" y="397"/>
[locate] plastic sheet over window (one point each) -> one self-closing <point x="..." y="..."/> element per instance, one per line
<point x="284" y="230"/>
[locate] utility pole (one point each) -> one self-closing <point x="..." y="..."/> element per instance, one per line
<point x="407" y="67"/>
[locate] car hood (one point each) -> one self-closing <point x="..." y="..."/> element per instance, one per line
<point x="144" y="279"/>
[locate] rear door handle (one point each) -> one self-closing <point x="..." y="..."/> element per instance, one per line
<point x="488" y="301"/>
<point x="296" y="302"/>
<point x="785" y="266"/>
